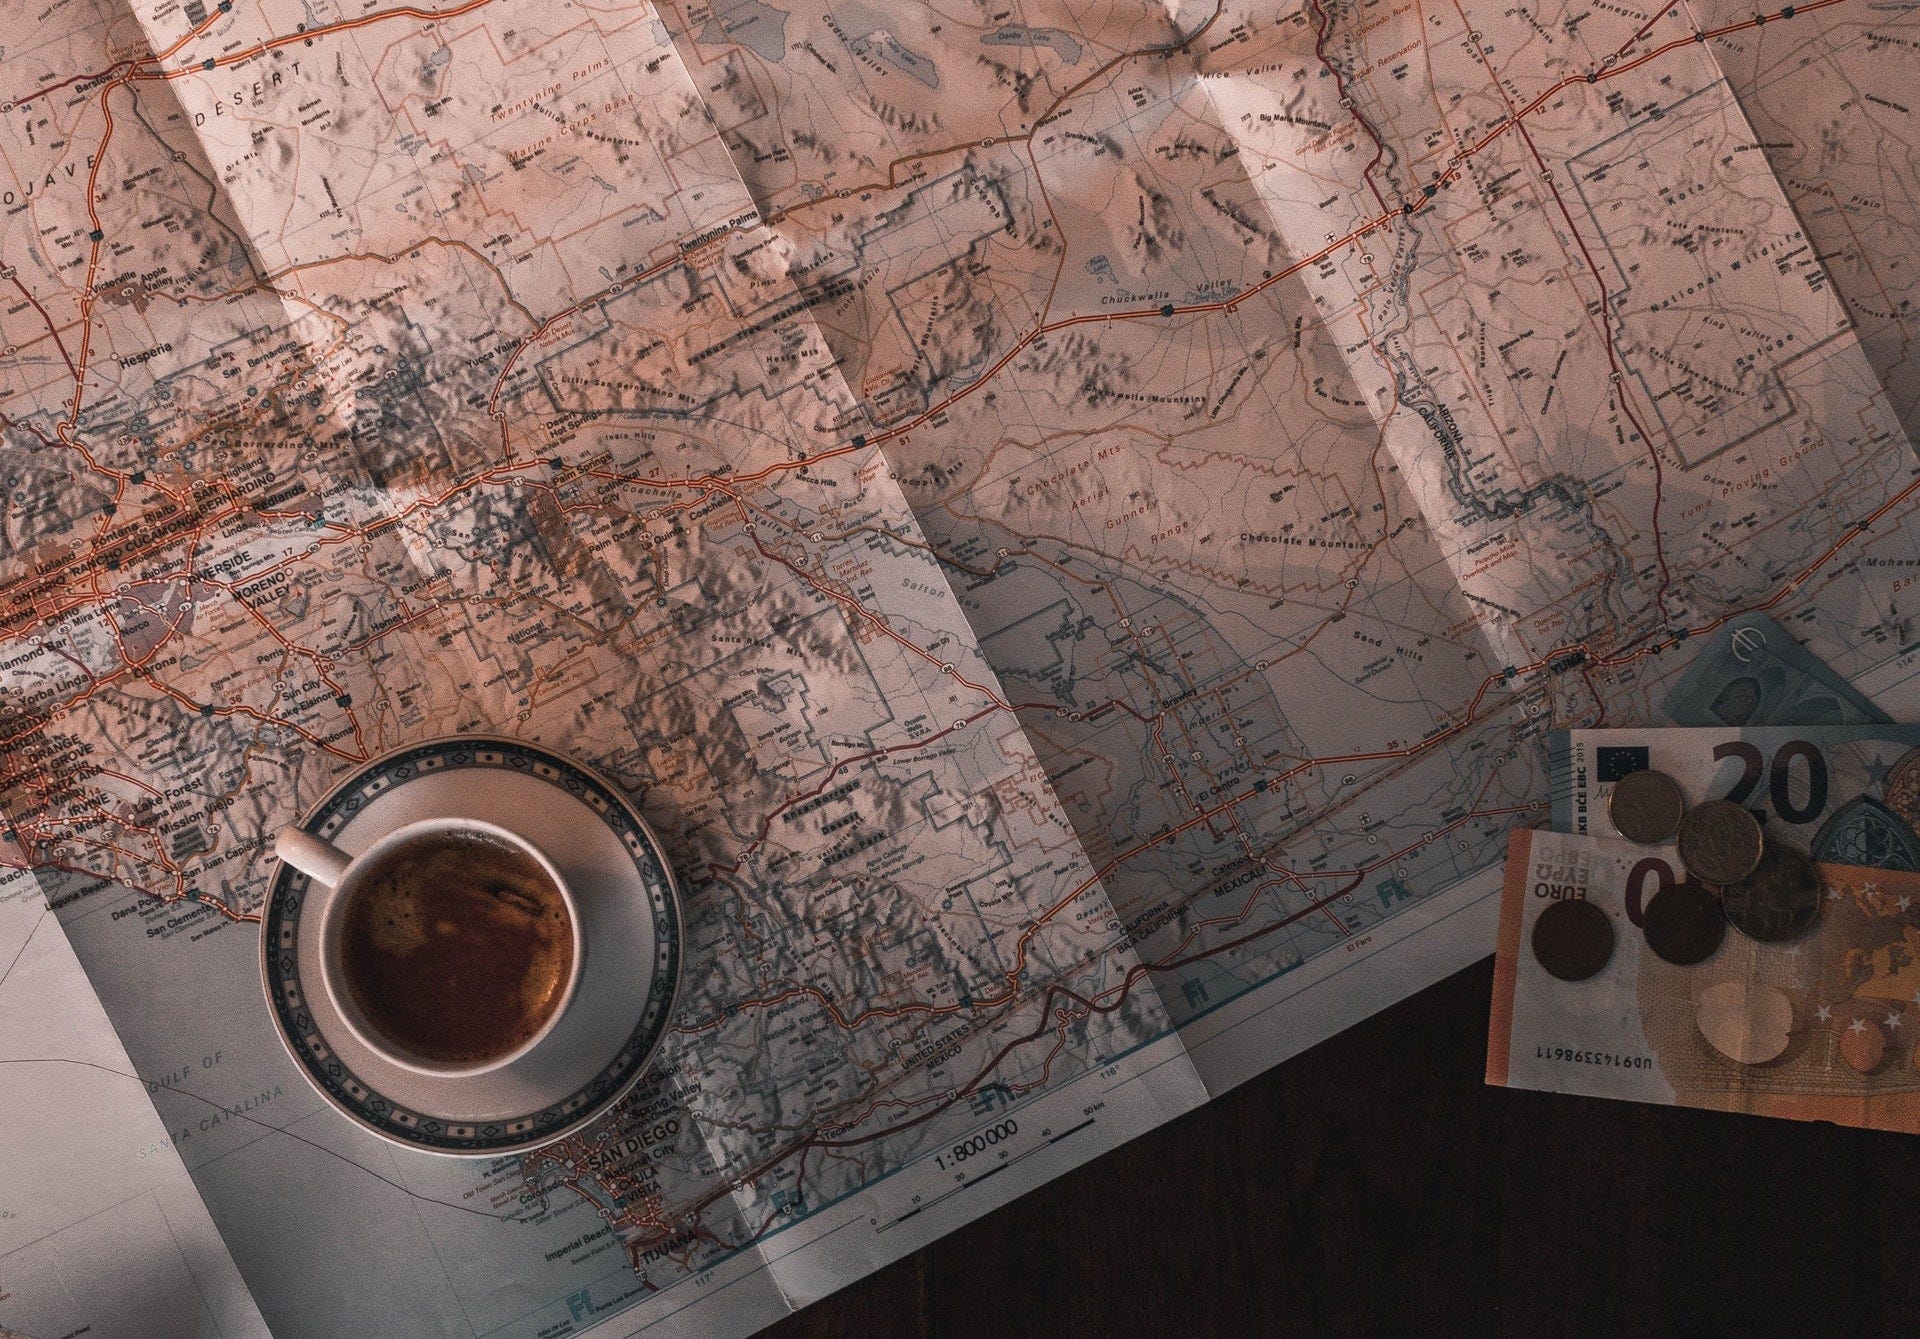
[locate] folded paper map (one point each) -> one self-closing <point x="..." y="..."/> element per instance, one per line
<point x="1820" y="1028"/>
<point x="1073" y="523"/>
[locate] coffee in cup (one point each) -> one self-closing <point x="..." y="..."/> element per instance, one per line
<point x="456" y="946"/>
<point x="448" y="946"/>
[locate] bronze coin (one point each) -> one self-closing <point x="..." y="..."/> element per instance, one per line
<point x="1646" y="806"/>
<point x="1779" y="900"/>
<point x="1683" y="924"/>
<point x="1573" y="939"/>
<point x="1719" y="842"/>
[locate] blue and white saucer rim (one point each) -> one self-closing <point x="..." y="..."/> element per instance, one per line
<point x="358" y="1100"/>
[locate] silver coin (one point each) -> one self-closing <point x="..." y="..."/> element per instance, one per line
<point x="1779" y="900"/>
<point x="1719" y="842"/>
<point x="1646" y="806"/>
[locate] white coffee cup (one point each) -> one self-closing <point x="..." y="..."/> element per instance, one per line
<point x="337" y="875"/>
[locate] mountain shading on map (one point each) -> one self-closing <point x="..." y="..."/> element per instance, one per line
<point x="1075" y="531"/>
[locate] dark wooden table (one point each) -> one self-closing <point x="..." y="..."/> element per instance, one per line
<point x="1374" y="1185"/>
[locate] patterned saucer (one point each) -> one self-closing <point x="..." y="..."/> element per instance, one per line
<point x="629" y="910"/>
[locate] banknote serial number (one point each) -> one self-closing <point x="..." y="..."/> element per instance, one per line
<point x="974" y="1145"/>
<point x="1604" y="1059"/>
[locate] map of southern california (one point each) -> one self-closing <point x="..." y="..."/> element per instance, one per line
<point x="1073" y="530"/>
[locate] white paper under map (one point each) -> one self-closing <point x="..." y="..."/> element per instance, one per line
<point x="101" y="1231"/>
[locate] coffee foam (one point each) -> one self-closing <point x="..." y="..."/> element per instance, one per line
<point x="457" y="947"/>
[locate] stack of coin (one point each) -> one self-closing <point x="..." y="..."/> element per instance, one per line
<point x="1769" y="892"/>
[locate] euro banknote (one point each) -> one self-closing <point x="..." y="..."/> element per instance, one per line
<point x="1751" y="671"/>
<point x="1820" y="1028"/>
<point x="1843" y="793"/>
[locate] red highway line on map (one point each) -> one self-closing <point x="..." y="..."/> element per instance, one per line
<point x="1323" y="30"/>
<point x="1592" y="662"/>
<point x="136" y="70"/>
<point x="1372" y="225"/>
<point x="1609" y="70"/>
<point x="127" y="65"/>
<point x="1605" y="319"/>
<point x="1447" y="177"/>
<point x="52" y="329"/>
<point x="1165" y="49"/>
<point x="1047" y="1024"/>
<point x="859" y="610"/>
<point x="321" y="30"/>
<point x="1040" y="122"/>
<point x="1048" y="1021"/>
<point x="1039" y="332"/>
<point x="1556" y="653"/>
<point x="134" y="67"/>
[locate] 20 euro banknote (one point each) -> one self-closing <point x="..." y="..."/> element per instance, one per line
<point x="1751" y="671"/>
<point x="1844" y="793"/>
<point x="1836" y="1013"/>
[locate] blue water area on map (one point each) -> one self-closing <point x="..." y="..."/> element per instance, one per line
<point x="905" y="59"/>
<point x="1018" y="34"/>
<point x="867" y="35"/>
<point x="759" y="27"/>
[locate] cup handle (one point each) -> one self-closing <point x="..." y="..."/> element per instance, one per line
<point x="318" y="860"/>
